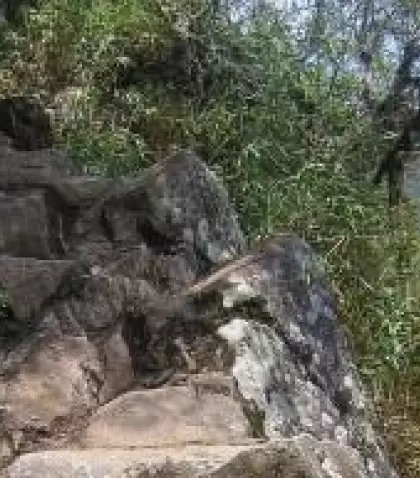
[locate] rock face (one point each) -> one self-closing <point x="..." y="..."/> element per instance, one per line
<point x="79" y="269"/>
<point x="113" y="287"/>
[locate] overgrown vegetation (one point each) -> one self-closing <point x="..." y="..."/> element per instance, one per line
<point x="285" y="131"/>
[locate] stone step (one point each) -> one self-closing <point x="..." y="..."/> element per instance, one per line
<point x="168" y="416"/>
<point x="301" y="457"/>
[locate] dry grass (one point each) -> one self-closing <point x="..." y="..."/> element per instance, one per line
<point x="398" y="417"/>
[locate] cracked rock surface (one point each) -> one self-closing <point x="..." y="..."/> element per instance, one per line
<point x="140" y="337"/>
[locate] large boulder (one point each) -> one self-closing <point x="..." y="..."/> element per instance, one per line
<point x="82" y="271"/>
<point x="113" y="284"/>
<point x="285" y="347"/>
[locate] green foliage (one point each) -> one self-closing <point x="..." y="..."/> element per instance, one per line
<point x="101" y="151"/>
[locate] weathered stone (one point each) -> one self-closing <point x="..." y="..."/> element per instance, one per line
<point x="29" y="283"/>
<point x="125" y="289"/>
<point x="26" y="166"/>
<point x="170" y="416"/>
<point x="117" y="364"/>
<point x="181" y="201"/>
<point x="292" y="362"/>
<point x="24" y="226"/>
<point x="59" y="375"/>
<point x="75" y="312"/>
<point x="285" y="458"/>
<point x="59" y="380"/>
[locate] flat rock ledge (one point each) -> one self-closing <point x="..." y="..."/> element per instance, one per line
<point x="300" y="457"/>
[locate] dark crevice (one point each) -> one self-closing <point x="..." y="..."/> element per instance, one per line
<point x="26" y="123"/>
<point x="60" y="217"/>
<point x="136" y="336"/>
<point x="154" y="239"/>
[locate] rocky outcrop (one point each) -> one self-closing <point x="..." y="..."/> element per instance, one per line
<point x="79" y="270"/>
<point x="137" y="338"/>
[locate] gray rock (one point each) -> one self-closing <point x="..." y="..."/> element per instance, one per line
<point x="31" y="282"/>
<point x="82" y="274"/>
<point x="292" y="361"/>
<point x="24" y="225"/>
